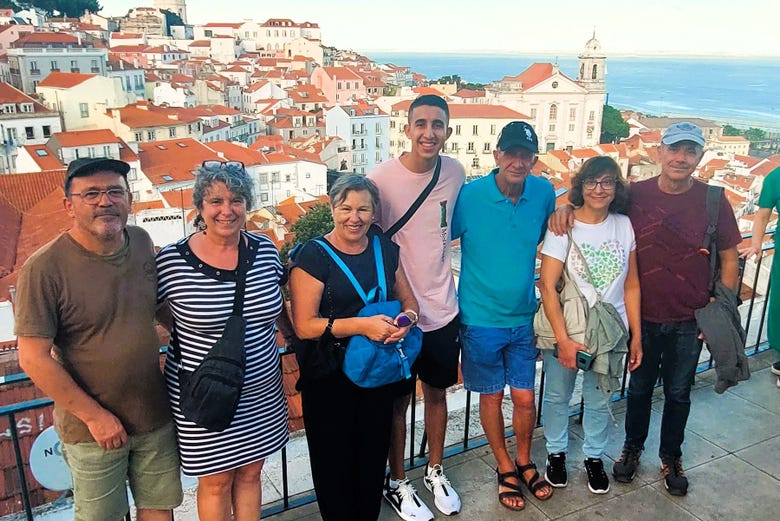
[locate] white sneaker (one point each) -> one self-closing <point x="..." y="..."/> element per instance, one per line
<point x="405" y="501"/>
<point x="444" y="496"/>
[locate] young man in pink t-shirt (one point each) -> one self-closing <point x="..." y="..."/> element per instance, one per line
<point x="425" y="253"/>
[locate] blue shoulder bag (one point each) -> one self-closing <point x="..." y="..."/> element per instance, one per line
<point x="373" y="364"/>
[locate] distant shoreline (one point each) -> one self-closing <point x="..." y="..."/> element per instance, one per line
<point x="569" y="52"/>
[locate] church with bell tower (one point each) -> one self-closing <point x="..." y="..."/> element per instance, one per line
<point x="565" y="112"/>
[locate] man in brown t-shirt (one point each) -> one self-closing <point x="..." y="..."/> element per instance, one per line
<point x="85" y="326"/>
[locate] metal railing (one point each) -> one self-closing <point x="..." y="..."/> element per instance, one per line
<point x="416" y="457"/>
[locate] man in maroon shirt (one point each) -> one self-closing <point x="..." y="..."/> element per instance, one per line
<point x="669" y="216"/>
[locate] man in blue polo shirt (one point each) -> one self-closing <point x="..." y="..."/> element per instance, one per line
<point x="500" y="220"/>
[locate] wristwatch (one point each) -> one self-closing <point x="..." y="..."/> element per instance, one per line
<point x="413" y="315"/>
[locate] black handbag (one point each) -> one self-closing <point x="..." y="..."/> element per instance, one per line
<point x="209" y="395"/>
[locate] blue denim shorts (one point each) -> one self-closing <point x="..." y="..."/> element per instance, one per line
<point x="493" y="357"/>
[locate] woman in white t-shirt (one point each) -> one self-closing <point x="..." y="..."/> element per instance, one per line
<point x="606" y="241"/>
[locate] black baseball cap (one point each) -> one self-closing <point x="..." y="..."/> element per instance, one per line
<point x="518" y="134"/>
<point x="89" y="165"/>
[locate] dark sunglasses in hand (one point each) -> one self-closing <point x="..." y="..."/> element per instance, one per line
<point x="213" y="165"/>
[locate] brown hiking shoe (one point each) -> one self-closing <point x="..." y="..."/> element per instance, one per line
<point x="674" y="476"/>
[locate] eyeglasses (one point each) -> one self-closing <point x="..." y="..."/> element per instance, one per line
<point x="93" y="197"/>
<point x="214" y="165"/>
<point x="605" y="184"/>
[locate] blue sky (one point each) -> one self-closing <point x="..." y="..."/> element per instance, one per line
<point x="655" y="27"/>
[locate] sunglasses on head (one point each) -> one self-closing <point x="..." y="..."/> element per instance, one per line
<point x="213" y="165"/>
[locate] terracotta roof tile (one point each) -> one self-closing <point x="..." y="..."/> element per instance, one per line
<point x="148" y="205"/>
<point x="44" y="158"/>
<point x="80" y="138"/>
<point x="175" y="158"/>
<point x="65" y="80"/>
<point x="23" y="191"/>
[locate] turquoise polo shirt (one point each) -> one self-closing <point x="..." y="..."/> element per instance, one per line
<point x="498" y="242"/>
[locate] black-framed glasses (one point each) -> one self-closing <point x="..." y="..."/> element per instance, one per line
<point x="93" y="197"/>
<point x="214" y="165"/>
<point x="605" y="184"/>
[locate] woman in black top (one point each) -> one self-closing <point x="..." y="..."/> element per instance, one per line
<point x="347" y="427"/>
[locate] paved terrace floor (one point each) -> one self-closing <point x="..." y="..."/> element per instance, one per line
<point x="731" y="456"/>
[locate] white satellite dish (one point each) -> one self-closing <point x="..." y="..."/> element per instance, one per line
<point x="47" y="464"/>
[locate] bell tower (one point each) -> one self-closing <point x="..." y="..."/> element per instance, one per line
<point x="593" y="66"/>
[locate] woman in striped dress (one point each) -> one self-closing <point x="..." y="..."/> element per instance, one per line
<point x="196" y="278"/>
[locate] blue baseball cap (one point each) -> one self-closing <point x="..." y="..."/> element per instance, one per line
<point x="683" y="131"/>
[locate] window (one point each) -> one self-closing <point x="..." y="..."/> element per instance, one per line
<point x="263" y="179"/>
<point x="378" y="156"/>
<point x="533" y="113"/>
<point x="590" y="133"/>
<point x="274" y="177"/>
<point x="287" y="178"/>
<point x="475" y="163"/>
<point x="492" y="130"/>
<point x="594" y="75"/>
<point x="338" y="85"/>
<point x="132" y="175"/>
<point x="263" y="197"/>
<point x="551" y="128"/>
<point x="392" y="124"/>
<point x="470" y="147"/>
<point x="486" y="148"/>
<point x="151" y="135"/>
<point x="74" y="66"/>
<point x="34" y="67"/>
<point x="9" y="108"/>
<point x="572" y="113"/>
<point x="29" y="132"/>
<point x="378" y="128"/>
<point x="46" y="131"/>
<point x="139" y="136"/>
<point x="591" y="115"/>
<point x="457" y="130"/>
<point x="172" y="132"/>
<point x="84" y="109"/>
<point x="553" y="111"/>
<point x="308" y="175"/>
<point x="571" y="127"/>
<point x="475" y="130"/>
<point x="26" y="107"/>
<point x="54" y="65"/>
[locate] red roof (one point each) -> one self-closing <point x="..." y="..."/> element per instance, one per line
<point x="65" y="80"/>
<point x="44" y="158"/>
<point x="9" y="94"/>
<point x="176" y="158"/>
<point x="471" y="110"/>
<point x="80" y="138"/>
<point x="45" y="38"/>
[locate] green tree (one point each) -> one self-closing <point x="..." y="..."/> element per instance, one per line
<point x="472" y="86"/>
<point x="317" y="221"/>
<point x="67" y="8"/>
<point x="728" y="130"/>
<point x="613" y="127"/>
<point x="754" y="134"/>
<point x="171" y="18"/>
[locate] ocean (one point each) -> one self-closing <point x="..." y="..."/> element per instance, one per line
<point x="739" y="91"/>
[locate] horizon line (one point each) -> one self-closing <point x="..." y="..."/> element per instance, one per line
<point x="559" y="53"/>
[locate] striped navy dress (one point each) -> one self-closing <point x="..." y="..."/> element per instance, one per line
<point x="201" y="300"/>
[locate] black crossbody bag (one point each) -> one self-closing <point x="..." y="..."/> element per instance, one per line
<point x="209" y="395"/>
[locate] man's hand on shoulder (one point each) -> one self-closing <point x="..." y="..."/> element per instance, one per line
<point x="561" y="220"/>
<point x="107" y="430"/>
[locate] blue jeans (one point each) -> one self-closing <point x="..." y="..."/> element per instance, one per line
<point x="671" y="350"/>
<point x="558" y="388"/>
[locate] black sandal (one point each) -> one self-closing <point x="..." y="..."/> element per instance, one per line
<point x="514" y="492"/>
<point x="536" y="483"/>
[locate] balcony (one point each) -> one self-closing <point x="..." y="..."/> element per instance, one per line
<point x="732" y="436"/>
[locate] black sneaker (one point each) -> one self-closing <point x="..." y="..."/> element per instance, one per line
<point x="555" y="473"/>
<point x="598" y="482"/>
<point x="776" y="368"/>
<point x="624" y="468"/>
<point x="674" y="476"/>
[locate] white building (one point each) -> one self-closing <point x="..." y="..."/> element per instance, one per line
<point x="566" y="113"/>
<point x="23" y="121"/>
<point x="363" y="127"/>
<point x="475" y="130"/>
<point x="82" y="99"/>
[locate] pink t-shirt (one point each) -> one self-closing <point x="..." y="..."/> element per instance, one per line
<point x="425" y="238"/>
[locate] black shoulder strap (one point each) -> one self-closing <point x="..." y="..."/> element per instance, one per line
<point x="710" y="245"/>
<point x="246" y="255"/>
<point x="416" y="204"/>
